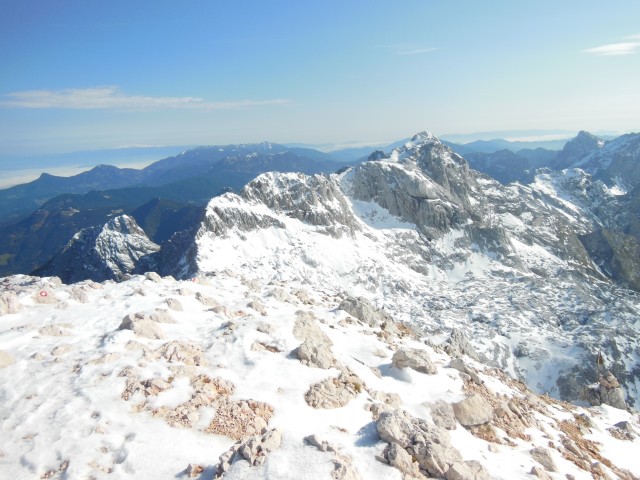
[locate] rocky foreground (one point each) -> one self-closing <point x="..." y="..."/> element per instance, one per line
<point x="225" y="376"/>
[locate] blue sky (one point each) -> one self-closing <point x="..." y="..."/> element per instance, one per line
<point x="92" y="74"/>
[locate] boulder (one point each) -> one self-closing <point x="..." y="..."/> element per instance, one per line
<point x="543" y="456"/>
<point x="181" y="352"/>
<point x="258" y="307"/>
<point x="334" y="392"/>
<point x="142" y="325"/>
<point x="206" y="300"/>
<point x="174" y="304"/>
<point x="473" y="410"/>
<point x="427" y="444"/>
<point x="315" y="350"/>
<point x="607" y="391"/>
<point x="540" y="473"/>
<point x="315" y="354"/>
<point x="418" y="360"/>
<point x="154" y="277"/>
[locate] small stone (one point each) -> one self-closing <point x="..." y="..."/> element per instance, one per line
<point x="61" y="350"/>
<point x="174" y="304"/>
<point x="6" y="359"/>
<point x="544" y="458"/>
<point x="154" y="277"/>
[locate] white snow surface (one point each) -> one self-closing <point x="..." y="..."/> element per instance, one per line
<point x="62" y="414"/>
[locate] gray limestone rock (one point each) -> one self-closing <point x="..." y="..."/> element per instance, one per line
<point x="429" y="445"/>
<point x="415" y="359"/>
<point x="253" y="449"/>
<point x="473" y="410"/>
<point x="315" y="349"/>
<point x="607" y="391"/>
<point x="399" y="458"/>
<point x="543" y="456"/>
<point x="174" y="304"/>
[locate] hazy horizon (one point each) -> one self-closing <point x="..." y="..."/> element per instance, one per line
<point x="82" y="76"/>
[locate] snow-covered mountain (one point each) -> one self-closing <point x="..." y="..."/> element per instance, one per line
<point x="615" y="162"/>
<point x="433" y="259"/>
<point x="110" y="252"/>
<point x="441" y="246"/>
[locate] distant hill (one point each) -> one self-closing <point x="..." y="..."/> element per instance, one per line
<point x="19" y="201"/>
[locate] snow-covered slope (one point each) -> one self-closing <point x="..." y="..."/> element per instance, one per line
<point x="158" y="378"/>
<point x="441" y="246"/>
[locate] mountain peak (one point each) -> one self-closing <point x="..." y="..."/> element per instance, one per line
<point x="424" y="137"/>
<point x="576" y="149"/>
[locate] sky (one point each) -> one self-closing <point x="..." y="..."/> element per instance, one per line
<point x="88" y="74"/>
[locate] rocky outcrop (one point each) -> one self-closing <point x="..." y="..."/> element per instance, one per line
<point x="254" y="450"/>
<point x="428" y="445"/>
<point x="607" y="391"/>
<point x="442" y="415"/>
<point x="462" y="367"/>
<point x="543" y="457"/>
<point x="343" y="468"/>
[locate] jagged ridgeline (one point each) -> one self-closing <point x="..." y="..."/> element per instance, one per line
<point x="438" y="261"/>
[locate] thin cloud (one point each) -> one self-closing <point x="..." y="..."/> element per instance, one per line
<point x="624" y="48"/>
<point x="111" y="97"/>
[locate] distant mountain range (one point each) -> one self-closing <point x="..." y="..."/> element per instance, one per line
<point x="38" y="218"/>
